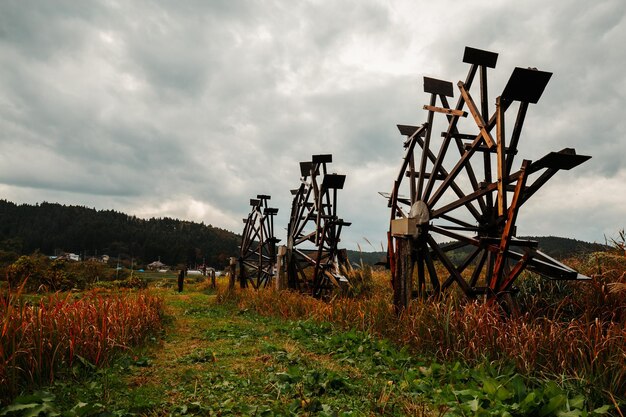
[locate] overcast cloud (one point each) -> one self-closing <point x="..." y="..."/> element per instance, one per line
<point x="189" y="108"/>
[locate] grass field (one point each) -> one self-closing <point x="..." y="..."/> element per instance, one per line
<point x="218" y="359"/>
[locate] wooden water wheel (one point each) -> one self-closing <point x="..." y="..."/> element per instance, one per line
<point x="455" y="201"/>
<point x="257" y="256"/>
<point x="314" y="230"/>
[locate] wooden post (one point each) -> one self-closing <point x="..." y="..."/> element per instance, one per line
<point x="281" y="282"/>
<point x="213" y="284"/>
<point x="403" y="278"/>
<point x="502" y="175"/>
<point x="232" y="273"/>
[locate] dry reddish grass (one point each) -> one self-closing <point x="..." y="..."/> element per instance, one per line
<point x="37" y="339"/>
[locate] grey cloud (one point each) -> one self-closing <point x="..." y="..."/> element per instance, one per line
<point x="135" y="104"/>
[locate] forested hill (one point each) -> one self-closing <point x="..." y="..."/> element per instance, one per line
<point x="563" y="247"/>
<point x="53" y="228"/>
<point x="558" y="247"/>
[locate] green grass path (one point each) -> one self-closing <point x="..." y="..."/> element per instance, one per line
<point x="215" y="360"/>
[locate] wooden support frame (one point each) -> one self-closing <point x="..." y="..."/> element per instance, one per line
<point x="455" y="205"/>
<point x="257" y="255"/>
<point x="314" y="231"/>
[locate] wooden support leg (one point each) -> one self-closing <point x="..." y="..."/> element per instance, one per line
<point x="232" y="274"/>
<point x="403" y="279"/>
<point x="507" y="233"/>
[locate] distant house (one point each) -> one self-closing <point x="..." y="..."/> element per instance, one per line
<point x="99" y="259"/>
<point x="69" y="257"/>
<point x="156" y="266"/>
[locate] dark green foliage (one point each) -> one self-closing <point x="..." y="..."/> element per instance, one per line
<point x="562" y="247"/>
<point x="367" y="258"/>
<point x="51" y="228"/>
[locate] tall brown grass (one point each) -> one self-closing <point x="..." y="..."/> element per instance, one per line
<point x="39" y="339"/>
<point x="576" y="329"/>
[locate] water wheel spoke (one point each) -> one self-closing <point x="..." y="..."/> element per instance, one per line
<point x="476" y="273"/>
<point x="447" y="263"/>
<point x="432" y="271"/>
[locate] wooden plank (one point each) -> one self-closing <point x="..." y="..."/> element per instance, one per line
<point x="421" y="276"/>
<point x="515" y="272"/>
<point x="451" y="112"/>
<point x="468" y="260"/>
<point x="480" y="57"/>
<point x="438" y="87"/>
<point x="468" y="167"/>
<point x="452" y="129"/>
<point x="565" y="159"/>
<point x="407" y="130"/>
<point x="425" y="147"/>
<point x="453" y="174"/>
<point x="501" y="159"/>
<point x="449" y="266"/>
<point x="517" y="131"/>
<point x="526" y="85"/>
<point x="426" y="175"/>
<point x="305" y="168"/>
<point x="402" y="279"/>
<point x="333" y="181"/>
<point x="507" y="151"/>
<point x="432" y="272"/>
<point x="457" y="190"/>
<point x="322" y="159"/>
<point x="462" y="136"/>
<point x="464" y="200"/>
<point x="477" y="117"/>
<point x="478" y="269"/>
<point x="549" y="268"/>
<point x="412" y="142"/>
<point x="507" y="233"/>
<point x="484" y="110"/>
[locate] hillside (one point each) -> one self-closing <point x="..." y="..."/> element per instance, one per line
<point x="53" y="228"/>
<point x="557" y="247"/>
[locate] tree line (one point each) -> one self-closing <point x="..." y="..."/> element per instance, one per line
<point x="52" y="229"/>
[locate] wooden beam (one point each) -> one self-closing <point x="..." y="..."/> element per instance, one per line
<point x="468" y="168"/>
<point x="501" y="159"/>
<point x="508" y="229"/>
<point x="451" y="112"/>
<point x="480" y="122"/>
<point x="425" y="148"/>
<point x="426" y="175"/>
<point x="515" y="271"/>
<point x="452" y="122"/>
<point x="468" y="260"/>
<point x="507" y="151"/>
<point x="517" y="131"/>
<point x="449" y="266"/>
<point x="463" y="136"/>
<point x="464" y="200"/>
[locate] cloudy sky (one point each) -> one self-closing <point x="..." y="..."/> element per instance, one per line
<point x="189" y="108"/>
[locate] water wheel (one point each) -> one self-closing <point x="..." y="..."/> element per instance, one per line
<point x="460" y="187"/>
<point x="257" y="256"/>
<point x="314" y="230"/>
